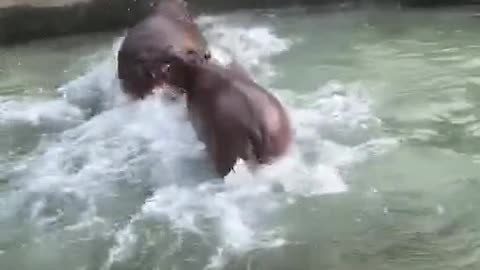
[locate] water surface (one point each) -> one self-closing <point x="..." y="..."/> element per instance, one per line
<point x="384" y="173"/>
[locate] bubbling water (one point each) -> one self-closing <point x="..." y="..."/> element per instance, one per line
<point x="134" y="172"/>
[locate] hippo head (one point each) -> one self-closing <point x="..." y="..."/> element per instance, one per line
<point x="143" y="58"/>
<point x="176" y="9"/>
<point x="180" y="68"/>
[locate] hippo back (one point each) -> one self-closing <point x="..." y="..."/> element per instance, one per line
<point x="273" y="120"/>
<point x="268" y="118"/>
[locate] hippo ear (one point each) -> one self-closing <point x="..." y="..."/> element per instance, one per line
<point x="208" y="55"/>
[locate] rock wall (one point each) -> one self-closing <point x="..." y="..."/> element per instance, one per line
<point x="438" y="3"/>
<point x="24" y="20"/>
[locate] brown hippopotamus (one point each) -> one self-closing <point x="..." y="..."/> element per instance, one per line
<point x="142" y="52"/>
<point x="234" y="116"/>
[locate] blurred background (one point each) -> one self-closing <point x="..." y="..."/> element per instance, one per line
<point x="58" y="17"/>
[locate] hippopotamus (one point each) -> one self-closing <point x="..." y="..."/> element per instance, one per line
<point x="142" y="53"/>
<point x="232" y="115"/>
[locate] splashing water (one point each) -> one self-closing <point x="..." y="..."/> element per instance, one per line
<point x="252" y="47"/>
<point x="75" y="186"/>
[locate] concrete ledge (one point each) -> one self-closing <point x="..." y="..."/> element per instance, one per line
<point x="28" y="20"/>
<point x="25" y="20"/>
<point x="438" y="3"/>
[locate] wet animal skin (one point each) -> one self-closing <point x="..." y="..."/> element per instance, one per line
<point x="234" y="116"/>
<point x="143" y="52"/>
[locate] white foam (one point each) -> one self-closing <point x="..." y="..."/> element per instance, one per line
<point x="38" y="112"/>
<point x="150" y="144"/>
<point x="99" y="88"/>
<point x="252" y="47"/>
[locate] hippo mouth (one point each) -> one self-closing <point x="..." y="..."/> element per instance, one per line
<point x="168" y="92"/>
